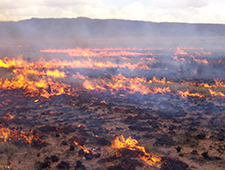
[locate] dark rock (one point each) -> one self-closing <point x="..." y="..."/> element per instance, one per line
<point x="216" y="158"/>
<point x="63" y="165"/>
<point x="54" y="158"/>
<point x="178" y="149"/>
<point x="205" y="155"/>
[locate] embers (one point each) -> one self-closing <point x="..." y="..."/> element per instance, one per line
<point x="30" y="136"/>
<point x="84" y="152"/>
<point x="88" y="154"/>
<point x="79" y="141"/>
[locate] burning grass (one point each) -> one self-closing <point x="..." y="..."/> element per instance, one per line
<point x="67" y="112"/>
<point x="132" y="144"/>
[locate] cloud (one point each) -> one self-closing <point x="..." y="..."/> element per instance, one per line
<point x="10" y="4"/>
<point x="2" y="18"/>
<point x="162" y="4"/>
<point x="69" y="3"/>
<point x="133" y="11"/>
<point x="191" y="3"/>
<point x="68" y="13"/>
<point x="192" y="11"/>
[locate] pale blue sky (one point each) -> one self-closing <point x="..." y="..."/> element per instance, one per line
<point x="190" y="11"/>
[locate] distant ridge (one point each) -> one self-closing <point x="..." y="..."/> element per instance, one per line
<point x="82" y="27"/>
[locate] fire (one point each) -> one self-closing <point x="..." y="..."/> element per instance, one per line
<point x="200" y="60"/>
<point x="162" y="90"/>
<point x="130" y="85"/>
<point x="180" y="59"/>
<point x="192" y="48"/>
<point x="5" y="167"/>
<point x="42" y="87"/>
<point x="150" y="59"/>
<point x="206" y="53"/>
<point x="20" y="66"/>
<point x="180" y="52"/>
<point x="218" y="83"/>
<point x="132" y="144"/>
<point x="27" y="137"/>
<point x="162" y="81"/>
<point x="4" y="133"/>
<point x="105" y="52"/>
<point x="49" y="73"/>
<point x="213" y="93"/>
<point x="187" y="93"/>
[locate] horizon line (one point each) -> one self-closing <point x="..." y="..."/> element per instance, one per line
<point x="40" y="18"/>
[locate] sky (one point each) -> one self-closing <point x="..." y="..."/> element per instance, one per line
<point x="188" y="11"/>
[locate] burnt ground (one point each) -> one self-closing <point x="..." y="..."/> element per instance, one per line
<point x="186" y="133"/>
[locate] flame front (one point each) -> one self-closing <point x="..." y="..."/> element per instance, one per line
<point x="130" y="85"/>
<point x="132" y="144"/>
<point x="45" y="72"/>
<point x="42" y="87"/>
<point x="187" y="93"/>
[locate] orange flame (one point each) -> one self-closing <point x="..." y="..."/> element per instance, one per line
<point x="26" y="136"/>
<point x="36" y="88"/>
<point x="162" y="81"/>
<point x="133" y="144"/>
<point x="180" y="52"/>
<point x="199" y="60"/>
<point x="213" y="93"/>
<point x="130" y="85"/>
<point x="36" y="68"/>
<point x="106" y="52"/>
<point x="187" y="93"/>
<point x="218" y="82"/>
<point x="4" y="133"/>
